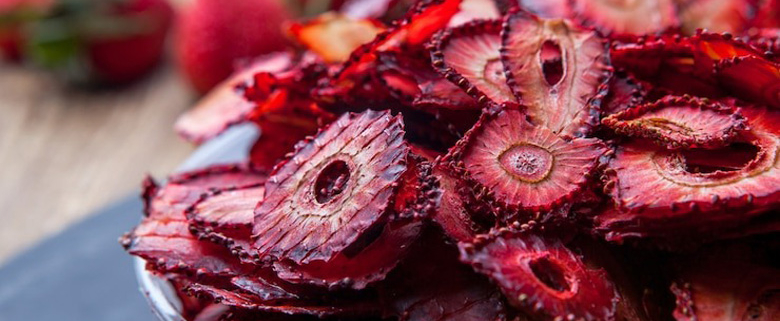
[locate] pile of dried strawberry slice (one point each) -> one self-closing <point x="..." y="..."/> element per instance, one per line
<point x="480" y="160"/>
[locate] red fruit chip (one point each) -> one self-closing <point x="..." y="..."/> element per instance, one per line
<point x="574" y="68"/>
<point x="469" y="57"/>
<point x="543" y="277"/>
<point x="334" y="188"/>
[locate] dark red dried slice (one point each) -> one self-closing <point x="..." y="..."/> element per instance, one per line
<point x="675" y="122"/>
<point x="726" y="288"/>
<point x="225" y="105"/>
<point x="332" y="190"/>
<point x="625" y="92"/>
<point x="446" y="291"/>
<point x="523" y="166"/>
<point x="366" y="262"/>
<point x="767" y="15"/>
<point x="469" y="56"/>
<point x="184" y="189"/>
<point x="766" y="40"/>
<point x="661" y="193"/>
<point x="420" y="23"/>
<point x="574" y="66"/>
<point x="334" y="36"/>
<point x="227" y="209"/>
<point x="751" y="78"/>
<point x="167" y="245"/>
<point x="254" y="303"/>
<point x="543" y="277"/>
<point x="715" y="15"/>
<point x="625" y="17"/>
<point x="454" y="215"/>
<point x="443" y="94"/>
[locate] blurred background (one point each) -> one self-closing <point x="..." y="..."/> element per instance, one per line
<point x="90" y="90"/>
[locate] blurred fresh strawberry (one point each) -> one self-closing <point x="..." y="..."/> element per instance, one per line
<point x="100" y="42"/>
<point x="13" y="14"/>
<point x="213" y="36"/>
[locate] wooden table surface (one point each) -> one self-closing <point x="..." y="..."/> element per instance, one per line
<point x="66" y="152"/>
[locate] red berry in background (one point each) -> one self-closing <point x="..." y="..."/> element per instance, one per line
<point x="213" y="34"/>
<point x="10" y="44"/>
<point x="121" y="59"/>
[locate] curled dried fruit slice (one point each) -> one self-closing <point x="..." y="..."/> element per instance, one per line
<point x="469" y="57"/>
<point x="574" y="68"/>
<point x="752" y="78"/>
<point x="334" y="36"/>
<point x="367" y="261"/>
<point x="184" y="189"/>
<point x="625" y="92"/>
<point x="660" y="192"/>
<point x="227" y="209"/>
<point x="454" y="215"/>
<point x="543" y="277"/>
<point x="333" y="189"/>
<point x="724" y="288"/>
<point x="225" y="105"/>
<point x="680" y="122"/>
<point x="715" y="15"/>
<point x="625" y="17"/>
<point x="524" y="166"/>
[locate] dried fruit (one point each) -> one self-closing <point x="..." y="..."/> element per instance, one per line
<point x="469" y="56"/>
<point x="660" y="192"/>
<point x="756" y="79"/>
<point x="526" y="167"/>
<point x="715" y="15"/>
<point x="708" y="289"/>
<point x="231" y="208"/>
<point x="543" y="277"/>
<point x="225" y="105"/>
<point x="574" y="66"/>
<point x="333" y="189"/>
<point x="459" y="221"/>
<point x="333" y="36"/>
<point x="625" y="92"/>
<point x="680" y="122"/>
<point x="625" y="17"/>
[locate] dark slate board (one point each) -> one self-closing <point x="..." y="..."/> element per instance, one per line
<point x="82" y="274"/>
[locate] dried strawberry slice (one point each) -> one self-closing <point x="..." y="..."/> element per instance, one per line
<point x="184" y="189"/>
<point x="447" y="291"/>
<point x="660" y="192"/>
<point x="420" y="23"/>
<point x="225" y="105"/>
<point x="715" y="15"/>
<point x="752" y="78"/>
<point x="573" y="62"/>
<point x="227" y="209"/>
<point x="625" y="92"/>
<point x="543" y="277"/>
<point x="523" y="166"/>
<point x="625" y="17"/>
<point x="675" y="122"/>
<point x="457" y="218"/>
<point x="366" y="262"/>
<point x="443" y="94"/>
<point x="469" y="57"/>
<point x="333" y="189"/>
<point x="251" y="302"/>
<point x="709" y="289"/>
<point x="334" y="36"/>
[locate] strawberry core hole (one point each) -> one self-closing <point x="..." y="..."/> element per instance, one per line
<point x="331" y="181"/>
<point x="733" y="157"/>
<point x="552" y="63"/>
<point x="549" y="273"/>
